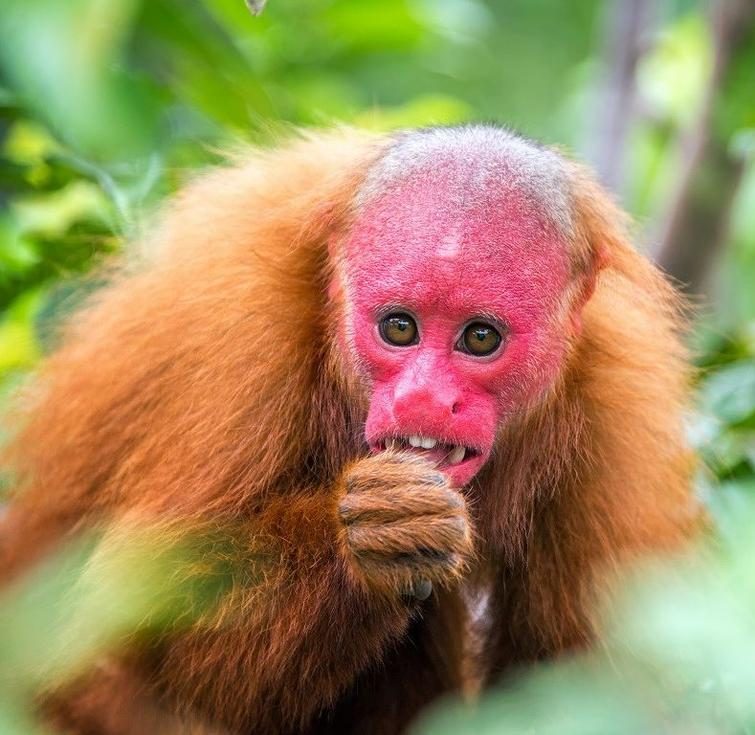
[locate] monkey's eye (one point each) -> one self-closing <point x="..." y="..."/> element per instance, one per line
<point x="479" y="339"/>
<point x="398" y="329"/>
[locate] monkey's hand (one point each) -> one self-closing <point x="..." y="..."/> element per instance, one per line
<point x="406" y="527"/>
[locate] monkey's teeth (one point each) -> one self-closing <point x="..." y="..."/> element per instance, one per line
<point x="415" y="441"/>
<point x="429" y="443"/>
<point x="457" y="455"/>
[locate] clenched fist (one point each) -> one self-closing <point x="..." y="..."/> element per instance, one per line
<point x="406" y="527"/>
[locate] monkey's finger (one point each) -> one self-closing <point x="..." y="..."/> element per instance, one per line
<point x="412" y="576"/>
<point x="393" y="470"/>
<point x="393" y="504"/>
<point x="421" y="536"/>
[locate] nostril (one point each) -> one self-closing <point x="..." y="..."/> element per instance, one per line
<point x="455" y="408"/>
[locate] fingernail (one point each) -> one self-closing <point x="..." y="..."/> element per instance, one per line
<point x="456" y="500"/>
<point x="423" y="589"/>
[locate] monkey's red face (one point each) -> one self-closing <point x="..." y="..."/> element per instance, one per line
<point x="455" y="316"/>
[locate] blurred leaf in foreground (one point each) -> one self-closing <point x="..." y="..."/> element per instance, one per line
<point x="62" y="57"/>
<point x="101" y="593"/>
<point x="678" y="658"/>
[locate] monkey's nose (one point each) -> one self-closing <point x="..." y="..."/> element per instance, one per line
<point x="422" y="403"/>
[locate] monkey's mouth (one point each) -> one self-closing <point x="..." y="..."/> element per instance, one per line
<point x="442" y="453"/>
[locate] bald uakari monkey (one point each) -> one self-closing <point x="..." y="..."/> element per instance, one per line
<point x="423" y="369"/>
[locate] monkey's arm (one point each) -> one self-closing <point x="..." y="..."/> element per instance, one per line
<point x="333" y="571"/>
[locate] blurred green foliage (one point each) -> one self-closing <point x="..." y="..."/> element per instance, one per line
<point x="106" y="106"/>
<point x="678" y="658"/>
<point x="101" y="592"/>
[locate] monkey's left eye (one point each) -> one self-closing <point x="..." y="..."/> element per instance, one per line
<point x="479" y="339"/>
<point x="398" y="329"/>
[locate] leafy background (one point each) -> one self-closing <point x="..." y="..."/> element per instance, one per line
<point x="107" y="106"/>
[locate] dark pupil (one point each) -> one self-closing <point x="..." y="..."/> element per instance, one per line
<point x="481" y="339"/>
<point x="399" y="329"/>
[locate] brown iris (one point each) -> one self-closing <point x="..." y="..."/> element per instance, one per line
<point x="398" y="329"/>
<point x="479" y="339"/>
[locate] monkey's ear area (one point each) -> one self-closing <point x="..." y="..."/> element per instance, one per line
<point x="587" y="275"/>
<point x="600" y="235"/>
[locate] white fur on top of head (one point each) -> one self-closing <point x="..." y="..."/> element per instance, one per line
<point x="482" y="158"/>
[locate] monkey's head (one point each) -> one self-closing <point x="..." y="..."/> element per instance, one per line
<point x="462" y="287"/>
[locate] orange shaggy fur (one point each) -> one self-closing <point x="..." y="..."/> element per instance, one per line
<point x="204" y="387"/>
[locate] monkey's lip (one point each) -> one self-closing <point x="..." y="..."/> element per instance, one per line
<point x="445" y="454"/>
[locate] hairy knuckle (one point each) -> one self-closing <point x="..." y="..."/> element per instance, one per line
<point x="356" y="538"/>
<point x="351" y="483"/>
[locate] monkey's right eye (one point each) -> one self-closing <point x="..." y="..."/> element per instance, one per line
<point x="398" y="329"/>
